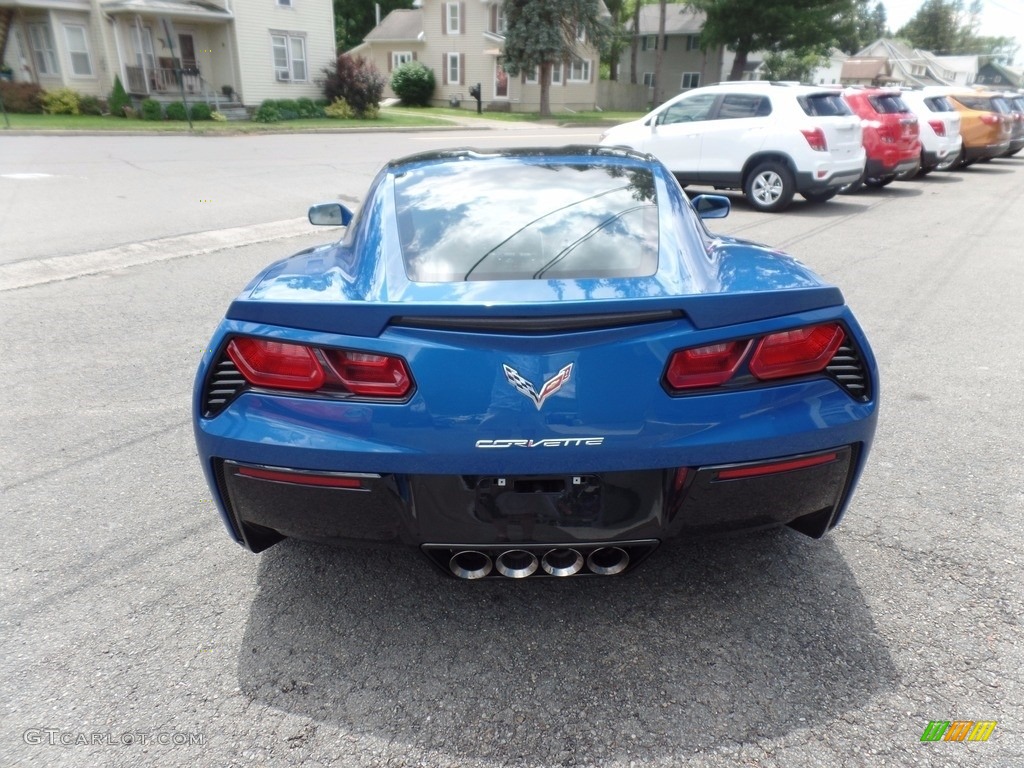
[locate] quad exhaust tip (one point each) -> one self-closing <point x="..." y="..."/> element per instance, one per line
<point x="470" y="564"/>
<point x="516" y="564"/>
<point x="562" y="562"/>
<point x="607" y="561"/>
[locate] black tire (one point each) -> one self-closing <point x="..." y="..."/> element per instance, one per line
<point x="877" y="182"/>
<point x="820" y="197"/>
<point x="770" y="187"/>
<point x="852" y="188"/>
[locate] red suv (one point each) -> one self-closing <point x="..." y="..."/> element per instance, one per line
<point x="891" y="135"/>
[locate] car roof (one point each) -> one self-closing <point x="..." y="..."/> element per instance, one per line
<point x="570" y="153"/>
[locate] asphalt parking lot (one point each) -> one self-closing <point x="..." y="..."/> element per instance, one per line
<point x="136" y="633"/>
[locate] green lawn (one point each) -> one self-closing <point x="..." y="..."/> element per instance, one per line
<point x="387" y="119"/>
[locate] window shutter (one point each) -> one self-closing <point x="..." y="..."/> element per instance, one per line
<point x="462" y="68"/>
<point x="414" y="55"/>
<point x="391" y="60"/>
<point x="444" y="18"/>
<point x="462" y="19"/>
<point x="494" y="17"/>
<point x="444" y="69"/>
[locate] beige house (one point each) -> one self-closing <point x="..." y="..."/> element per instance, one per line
<point x="252" y="49"/>
<point x="462" y="43"/>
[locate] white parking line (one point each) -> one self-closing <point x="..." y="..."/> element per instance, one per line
<point x="22" y="274"/>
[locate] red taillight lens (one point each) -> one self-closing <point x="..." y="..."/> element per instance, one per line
<point x="277" y="364"/>
<point x="816" y="139"/>
<point x="989" y="119"/>
<point x="706" y="366"/>
<point x="795" y="353"/>
<point x="368" y="374"/>
<point x="938" y="127"/>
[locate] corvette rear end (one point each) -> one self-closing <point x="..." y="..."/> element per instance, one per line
<point x="533" y="363"/>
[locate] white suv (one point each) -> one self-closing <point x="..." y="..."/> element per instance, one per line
<point x="769" y="139"/>
<point x="939" y="122"/>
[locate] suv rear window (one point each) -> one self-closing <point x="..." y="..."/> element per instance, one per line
<point x="939" y="104"/>
<point x="981" y="103"/>
<point x="558" y="221"/>
<point x="888" y="105"/>
<point x="823" y="105"/>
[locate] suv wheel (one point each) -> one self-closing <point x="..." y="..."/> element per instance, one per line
<point x="820" y="197"/>
<point x="770" y="187"/>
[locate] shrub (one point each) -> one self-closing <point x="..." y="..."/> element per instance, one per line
<point x="23" y="98"/>
<point x="339" y="110"/>
<point x="413" y="83"/>
<point x="151" y="110"/>
<point x="201" y="111"/>
<point x="62" y="101"/>
<point x="176" y="111"/>
<point x="119" y="99"/>
<point x="217" y="117"/>
<point x="267" y="113"/>
<point x="355" y="80"/>
<point x="90" y="105"/>
<point x="306" y="107"/>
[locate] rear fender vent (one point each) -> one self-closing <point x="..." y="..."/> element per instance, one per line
<point x="224" y="383"/>
<point x="847" y="370"/>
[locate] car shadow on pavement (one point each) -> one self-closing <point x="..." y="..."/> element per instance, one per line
<point x="706" y="643"/>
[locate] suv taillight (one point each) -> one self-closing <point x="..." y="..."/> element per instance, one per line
<point x="938" y="127"/>
<point x="816" y="139"/>
<point x="990" y="119"/>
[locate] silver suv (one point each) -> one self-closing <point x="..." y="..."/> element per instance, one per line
<point x="769" y="139"/>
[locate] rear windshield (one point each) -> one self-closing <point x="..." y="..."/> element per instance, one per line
<point x="982" y="103"/>
<point x="939" y="104"/>
<point x="824" y="105"/>
<point x="509" y="220"/>
<point x="888" y="105"/>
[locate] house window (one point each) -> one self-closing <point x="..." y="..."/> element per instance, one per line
<point x="284" y="3"/>
<point x="42" y="49"/>
<point x="499" y="24"/>
<point x="532" y="77"/>
<point x="144" y="56"/>
<point x="690" y="80"/>
<point x="78" y="50"/>
<point x="649" y="43"/>
<point x="289" y="56"/>
<point x="581" y="34"/>
<point x="398" y="58"/>
<point x="693" y="42"/>
<point x="556" y="73"/>
<point x="649" y="79"/>
<point x="452" y="18"/>
<point x="453" y="69"/>
<point x="579" y="71"/>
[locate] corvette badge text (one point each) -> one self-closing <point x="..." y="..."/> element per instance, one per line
<point x="551" y="442"/>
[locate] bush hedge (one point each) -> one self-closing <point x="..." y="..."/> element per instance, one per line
<point x="413" y="83"/>
<point x="151" y="110"/>
<point x="201" y="111"/>
<point x="22" y="98"/>
<point x="357" y="81"/>
<point x="176" y="111"/>
<point x="119" y="99"/>
<point x="63" y="101"/>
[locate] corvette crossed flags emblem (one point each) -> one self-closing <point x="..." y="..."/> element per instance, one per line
<point x="524" y="386"/>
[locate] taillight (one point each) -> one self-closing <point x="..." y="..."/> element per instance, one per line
<point x="277" y="364"/>
<point x="990" y="119"/>
<point x="795" y="353"/>
<point x="707" y="366"/>
<point x="300" y="368"/>
<point x="368" y="374"/>
<point x="938" y="127"/>
<point x="816" y="139"/>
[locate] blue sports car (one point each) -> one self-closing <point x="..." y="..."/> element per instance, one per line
<point x="533" y="363"/>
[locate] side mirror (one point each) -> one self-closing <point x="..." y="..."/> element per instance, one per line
<point x="330" y="215"/>
<point x="711" y="206"/>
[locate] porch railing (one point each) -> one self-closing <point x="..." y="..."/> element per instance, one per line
<point x="163" y="80"/>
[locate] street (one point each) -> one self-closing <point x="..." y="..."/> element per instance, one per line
<point x="135" y="632"/>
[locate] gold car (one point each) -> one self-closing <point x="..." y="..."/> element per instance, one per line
<point x="986" y="125"/>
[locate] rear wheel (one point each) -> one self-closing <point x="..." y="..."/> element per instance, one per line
<point x="770" y="187"/>
<point x="820" y="197"/>
<point x="851" y="188"/>
<point x="877" y="182"/>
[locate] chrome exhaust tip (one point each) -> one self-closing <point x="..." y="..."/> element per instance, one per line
<point x="562" y="562"/>
<point x="607" y="561"/>
<point x="470" y="564"/>
<point x="516" y="563"/>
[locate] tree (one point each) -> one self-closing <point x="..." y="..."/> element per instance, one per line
<point x="353" y="19"/>
<point x="618" y="37"/>
<point x="541" y="33"/>
<point x="792" y="65"/>
<point x="753" y="25"/>
<point x="869" y="24"/>
<point x="945" y="28"/>
<point x="659" y="54"/>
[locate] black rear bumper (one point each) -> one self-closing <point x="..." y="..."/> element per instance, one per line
<point x="265" y="504"/>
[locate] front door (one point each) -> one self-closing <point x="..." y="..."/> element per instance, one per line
<point x="188" y="51"/>
<point x="500" y="80"/>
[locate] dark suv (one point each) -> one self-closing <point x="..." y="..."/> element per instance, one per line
<point x="891" y="135"/>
